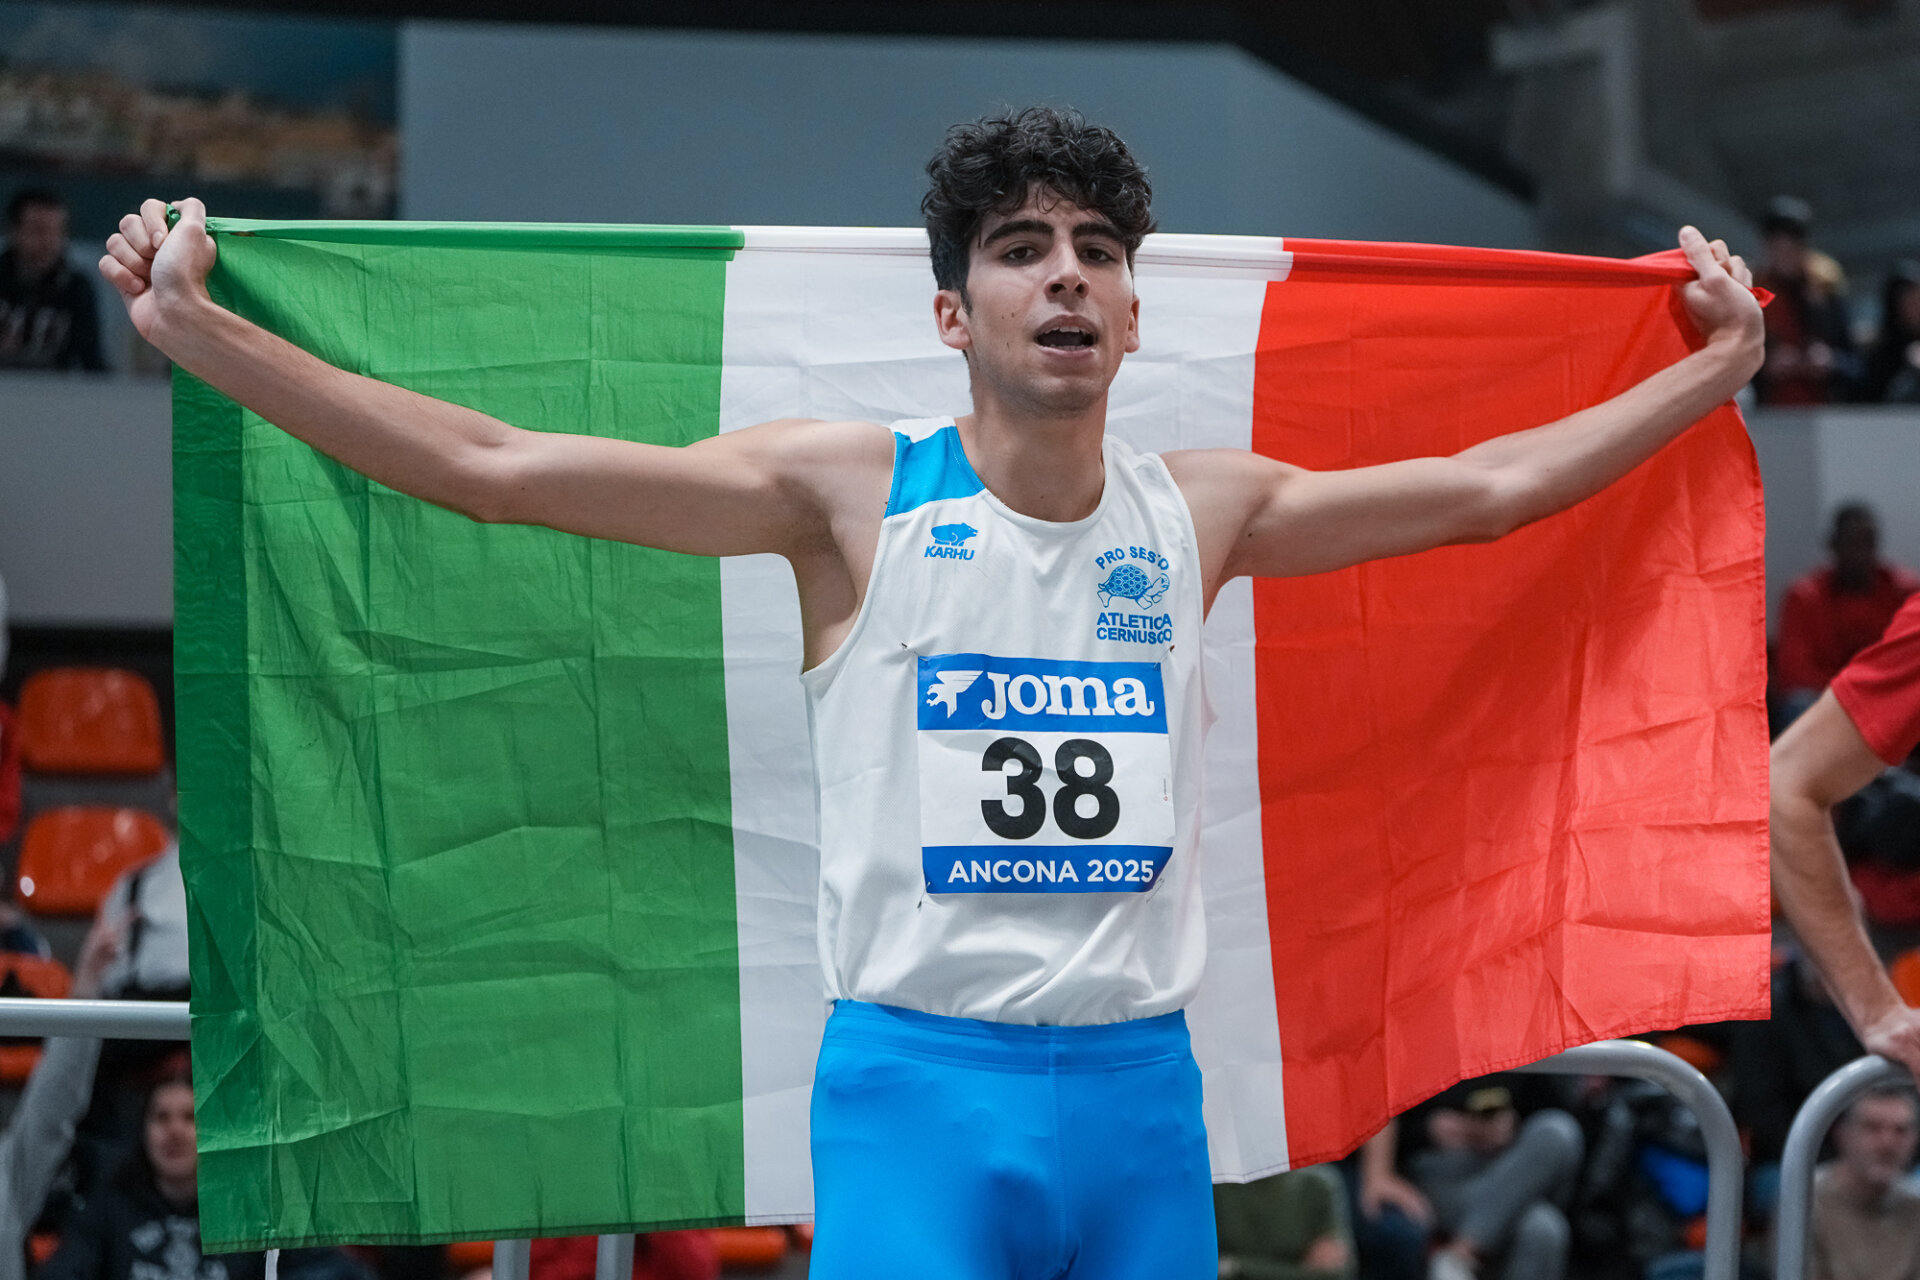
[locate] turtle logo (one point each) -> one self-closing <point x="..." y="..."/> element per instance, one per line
<point x="1130" y="582"/>
<point x="948" y="540"/>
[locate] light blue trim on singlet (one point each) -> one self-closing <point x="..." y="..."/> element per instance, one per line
<point x="929" y="469"/>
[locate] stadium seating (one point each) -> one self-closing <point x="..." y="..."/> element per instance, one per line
<point x="71" y="856"/>
<point x="90" y="720"/>
<point x="750" y="1248"/>
<point x="24" y="975"/>
<point x="464" y="1256"/>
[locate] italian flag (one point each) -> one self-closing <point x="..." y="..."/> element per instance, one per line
<point x="500" y="842"/>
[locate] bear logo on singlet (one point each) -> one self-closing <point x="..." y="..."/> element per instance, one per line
<point x="948" y="540"/>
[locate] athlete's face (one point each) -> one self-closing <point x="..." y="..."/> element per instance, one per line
<point x="1050" y="308"/>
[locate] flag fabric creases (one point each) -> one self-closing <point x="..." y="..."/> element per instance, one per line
<point x="499" y="841"/>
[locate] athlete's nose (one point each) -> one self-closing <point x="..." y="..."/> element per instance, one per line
<point x="1065" y="274"/>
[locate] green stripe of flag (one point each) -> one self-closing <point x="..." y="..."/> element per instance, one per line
<point x="456" y="813"/>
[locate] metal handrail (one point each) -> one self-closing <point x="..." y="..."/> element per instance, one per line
<point x="1726" y="1163"/>
<point x="103" y="1019"/>
<point x="1793" y="1222"/>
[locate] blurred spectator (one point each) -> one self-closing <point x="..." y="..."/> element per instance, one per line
<point x="1866" y="1218"/>
<point x="48" y="318"/>
<point x="1391" y="1218"/>
<point x="1810" y="355"/>
<point x="1833" y="613"/>
<point x="1292" y="1226"/>
<point x="152" y="966"/>
<point x="1498" y="1185"/>
<point x="663" y="1255"/>
<point x="1893" y="366"/>
<point x="145" y="1223"/>
<point x="17" y="934"/>
<point x="40" y="1131"/>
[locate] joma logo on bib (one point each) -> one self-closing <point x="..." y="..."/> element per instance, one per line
<point x="975" y="691"/>
<point x="1042" y="776"/>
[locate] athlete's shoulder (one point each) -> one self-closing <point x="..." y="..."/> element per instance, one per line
<point x="804" y="437"/>
<point x="1214" y="475"/>
<point x="835" y="467"/>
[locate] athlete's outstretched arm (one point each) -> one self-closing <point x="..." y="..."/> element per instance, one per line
<point x="730" y="495"/>
<point x="1819" y="761"/>
<point x="1262" y="517"/>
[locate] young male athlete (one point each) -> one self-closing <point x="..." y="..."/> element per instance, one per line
<point x="1010" y="914"/>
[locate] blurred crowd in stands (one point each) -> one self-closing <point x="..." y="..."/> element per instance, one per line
<point x="1815" y="354"/>
<point x="1511" y="1177"/>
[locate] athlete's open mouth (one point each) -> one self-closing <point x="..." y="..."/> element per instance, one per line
<point x="1066" y="335"/>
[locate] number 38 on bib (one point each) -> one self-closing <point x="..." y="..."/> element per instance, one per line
<point x="1039" y="776"/>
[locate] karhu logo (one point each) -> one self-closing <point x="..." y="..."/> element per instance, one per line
<point x="948" y="540"/>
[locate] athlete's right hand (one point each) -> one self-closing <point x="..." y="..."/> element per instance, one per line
<point x="153" y="266"/>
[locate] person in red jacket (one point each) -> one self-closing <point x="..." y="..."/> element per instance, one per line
<point x="1833" y="613"/>
<point x="1867" y="720"/>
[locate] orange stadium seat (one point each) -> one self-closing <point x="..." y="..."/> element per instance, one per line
<point x="469" y="1255"/>
<point x="70" y="857"/>
<point x="24" y="975"/>
<point x="1692" y="1050"/>
<point x="752" y="1248"/>
<point x="90" y="720"/>
<point x="1905" y="973"/>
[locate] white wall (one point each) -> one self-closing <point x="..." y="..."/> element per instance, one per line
<point x="512" y="123"/>
<point x="86" y="500"/>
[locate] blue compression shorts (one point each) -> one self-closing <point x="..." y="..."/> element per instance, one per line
<point x="953" y="1149"/>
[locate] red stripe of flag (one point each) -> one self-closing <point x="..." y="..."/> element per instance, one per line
<point x="1514" y="795"/>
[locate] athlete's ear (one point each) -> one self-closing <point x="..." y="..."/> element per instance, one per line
<point x="1133" y="325"/>
<point x="952" y="320"/>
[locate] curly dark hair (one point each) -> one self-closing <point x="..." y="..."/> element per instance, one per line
<point x="994" y="164"/>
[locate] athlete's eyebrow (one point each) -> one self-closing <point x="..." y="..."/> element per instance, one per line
<point x="1019" y="226"/>
<point x="1092" y="228"/>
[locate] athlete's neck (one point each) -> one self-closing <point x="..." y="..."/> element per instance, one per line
<point x="1048" y="467"/>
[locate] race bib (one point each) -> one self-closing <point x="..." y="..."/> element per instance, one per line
<point x="1039" y="776"/>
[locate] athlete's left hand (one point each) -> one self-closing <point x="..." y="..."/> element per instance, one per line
<point x="1720" y="296"/>
<point x="1896" y="1036"/>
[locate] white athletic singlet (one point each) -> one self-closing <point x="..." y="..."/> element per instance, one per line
<point x="1008" y="752"/>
